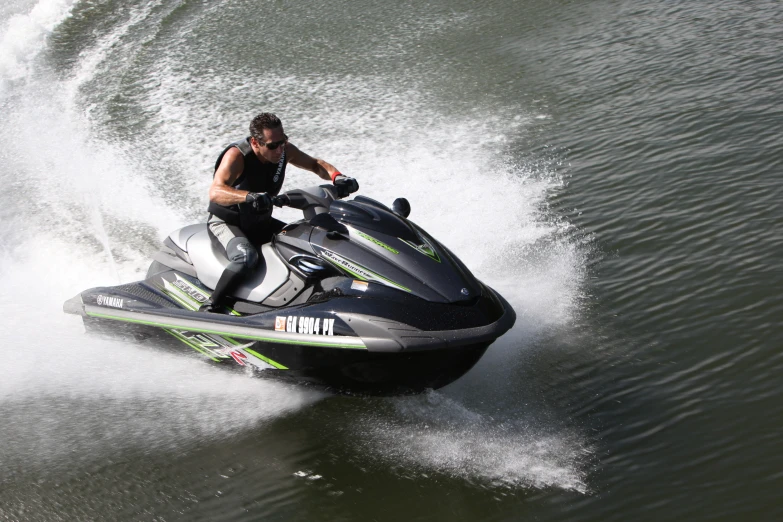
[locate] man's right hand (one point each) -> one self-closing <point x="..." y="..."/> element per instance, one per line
<point x="260" y="201"/>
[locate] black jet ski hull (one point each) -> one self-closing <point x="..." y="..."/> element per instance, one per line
<point x="338" y="343"/>
<point x="337" y="369"/>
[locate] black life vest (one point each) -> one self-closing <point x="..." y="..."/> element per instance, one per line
<point x="257" y="176"/>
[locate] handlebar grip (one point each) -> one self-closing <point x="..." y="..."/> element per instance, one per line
<point x="281" y="201"/>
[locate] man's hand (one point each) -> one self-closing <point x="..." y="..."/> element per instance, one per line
<point x="260" y="201"/>
<point x="349" y="185"/>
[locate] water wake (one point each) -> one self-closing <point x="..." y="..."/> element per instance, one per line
<point x="434" y="434"/>
<point x="80" y="214"/>
<point x="95" y="184"/>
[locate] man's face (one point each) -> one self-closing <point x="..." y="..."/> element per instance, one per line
<point x="274" y="136"/>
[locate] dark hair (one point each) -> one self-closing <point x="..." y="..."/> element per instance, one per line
<point x="265" y="120"/>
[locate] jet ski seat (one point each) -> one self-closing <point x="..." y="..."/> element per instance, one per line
<point x="210" y="262"/>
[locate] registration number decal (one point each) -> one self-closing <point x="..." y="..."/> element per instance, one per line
<point x="304" y="325"/>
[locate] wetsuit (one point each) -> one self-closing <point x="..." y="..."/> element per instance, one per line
<point x="236" y="230"/>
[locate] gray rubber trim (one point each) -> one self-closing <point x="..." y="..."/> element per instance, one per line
<point x="74" y="306"/>
<point x="220" y="325"/>
<point x="383" y="335"/>
<point x="287" y="292"/>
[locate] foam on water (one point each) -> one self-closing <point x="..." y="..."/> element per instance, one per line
<point x="434" y="434"/>
<point x="76" y="396"/>
<point x="80" y="216"/>
<point x="22" y="38"/>
<point x="462" y="185"/>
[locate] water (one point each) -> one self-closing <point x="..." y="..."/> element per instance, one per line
<point x="612" y="168"/>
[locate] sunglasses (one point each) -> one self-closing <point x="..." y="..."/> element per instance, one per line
<point x="275" y="144"/>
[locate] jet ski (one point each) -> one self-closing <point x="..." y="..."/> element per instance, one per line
<point x="354" y="297"/>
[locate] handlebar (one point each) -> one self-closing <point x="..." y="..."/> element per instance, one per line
<point x="343" y="191"/>
<point x="281" y="201"/>
<point x="303" y="198"/>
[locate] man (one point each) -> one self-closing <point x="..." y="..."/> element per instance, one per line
<point x="247" y="174"/>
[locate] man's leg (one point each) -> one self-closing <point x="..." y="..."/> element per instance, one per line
<point x="242" y="257"/>
<point x="264" y="233"/>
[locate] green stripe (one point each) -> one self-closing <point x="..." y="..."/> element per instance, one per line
<point x="266" y="359"/>
<point x="361" y="277"/>
<point x="344" y="269"/>
<point x="185" y="304"/>
<point x="335" y="344"/>
<point x="427" y="249"/>
<point x="184" y="340"/>
<point x="203" y="349"/>
<point x="183" y="297"/>
<point x="392" y="282"/>
<point x="204" y="352"/>
<point x="376" y="241"/>
<point x="189" y="303"/>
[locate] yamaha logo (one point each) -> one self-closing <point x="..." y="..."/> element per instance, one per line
<point x="280" y="165"/>
<point x="114" y="302"/>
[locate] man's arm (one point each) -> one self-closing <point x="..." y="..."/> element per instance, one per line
<point x="230" y="168"/>
<point x="319" y="167"/>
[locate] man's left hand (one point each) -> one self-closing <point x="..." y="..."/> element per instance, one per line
<point x="345" y="183"/>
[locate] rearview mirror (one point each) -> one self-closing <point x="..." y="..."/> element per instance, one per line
<point x="401" y="207"/>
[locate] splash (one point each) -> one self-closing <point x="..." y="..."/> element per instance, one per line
<point x="68" y="397"/>
<point x="436" y="435"/>
<point x="112" y="179"/>
<point x="23" y="36"/>
<point x="80" y="215"/>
